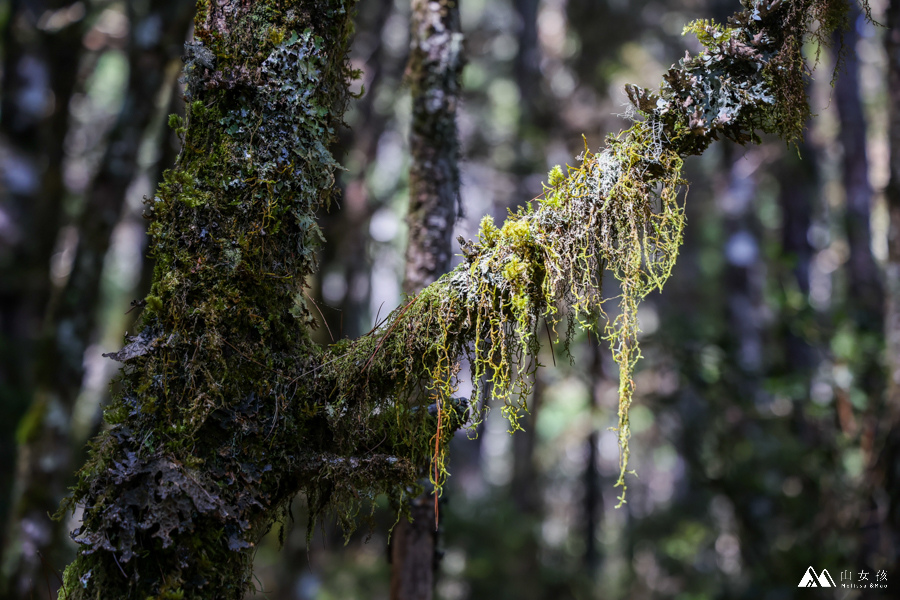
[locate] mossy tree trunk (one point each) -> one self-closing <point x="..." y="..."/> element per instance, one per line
<point x="204" y="449"/>
<point x="227" y="408"/>
<point x="433" y="73"/>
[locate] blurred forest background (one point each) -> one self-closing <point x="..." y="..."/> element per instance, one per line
<point x="760" y="414"/>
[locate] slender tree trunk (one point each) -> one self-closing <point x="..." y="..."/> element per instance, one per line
<point x="865" y="298"/>
<point x="45" y="452"/>
<point x="414" y="552"/>
<point x="527" y="67"/>
<point x="433" y="72"/>
<point x="866" y="294"/>
<point x="525" y="493"/>
<point x="593" y="497"/>
<point x="798" y="188"/>
<point x="347" y="229"/>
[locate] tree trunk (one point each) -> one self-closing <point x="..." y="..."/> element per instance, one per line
<point x="433" y="72"/>
<point x="413" y="552"/>
<point x="178" y="476"/>
<point x="593" y="496"/>
<point x="798" y="185"/>
<point x="347" y="229"/>
<point x="865" y="297"/>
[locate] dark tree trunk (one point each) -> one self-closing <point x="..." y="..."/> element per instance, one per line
<point x="864" y="278"/>
<point x="433" y="72"/>
<point x="413" y="552"/>
<point x="798" y="189"/>
<point x="865" y="293"/>
<point x="593" y="497"/>
<point x="525" y="493"/>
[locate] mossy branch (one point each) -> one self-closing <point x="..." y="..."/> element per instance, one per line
<point x="617" y="211"/>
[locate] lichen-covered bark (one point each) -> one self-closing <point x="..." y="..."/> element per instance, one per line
<point x="227" y="408"/>
<point x="433" y="72"/>
<point x="45" y="450"/>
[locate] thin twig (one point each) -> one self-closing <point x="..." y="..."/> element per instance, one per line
<point x="377" y="323"/>
<point x="324" y="321"/>
<point x="56" y="573"/>
<point x="550" y="339"/>
<point x="387" y="333"/>
<point x="120" y="566"/>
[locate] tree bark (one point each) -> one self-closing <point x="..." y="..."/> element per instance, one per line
<point x="798" y="186"/>
<point x="433" y="72"/>
<point x="866" y="293"/>
<point x="593" y="496"/>
<point x="413" y="552"/>
<point x="347" y="229"/>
